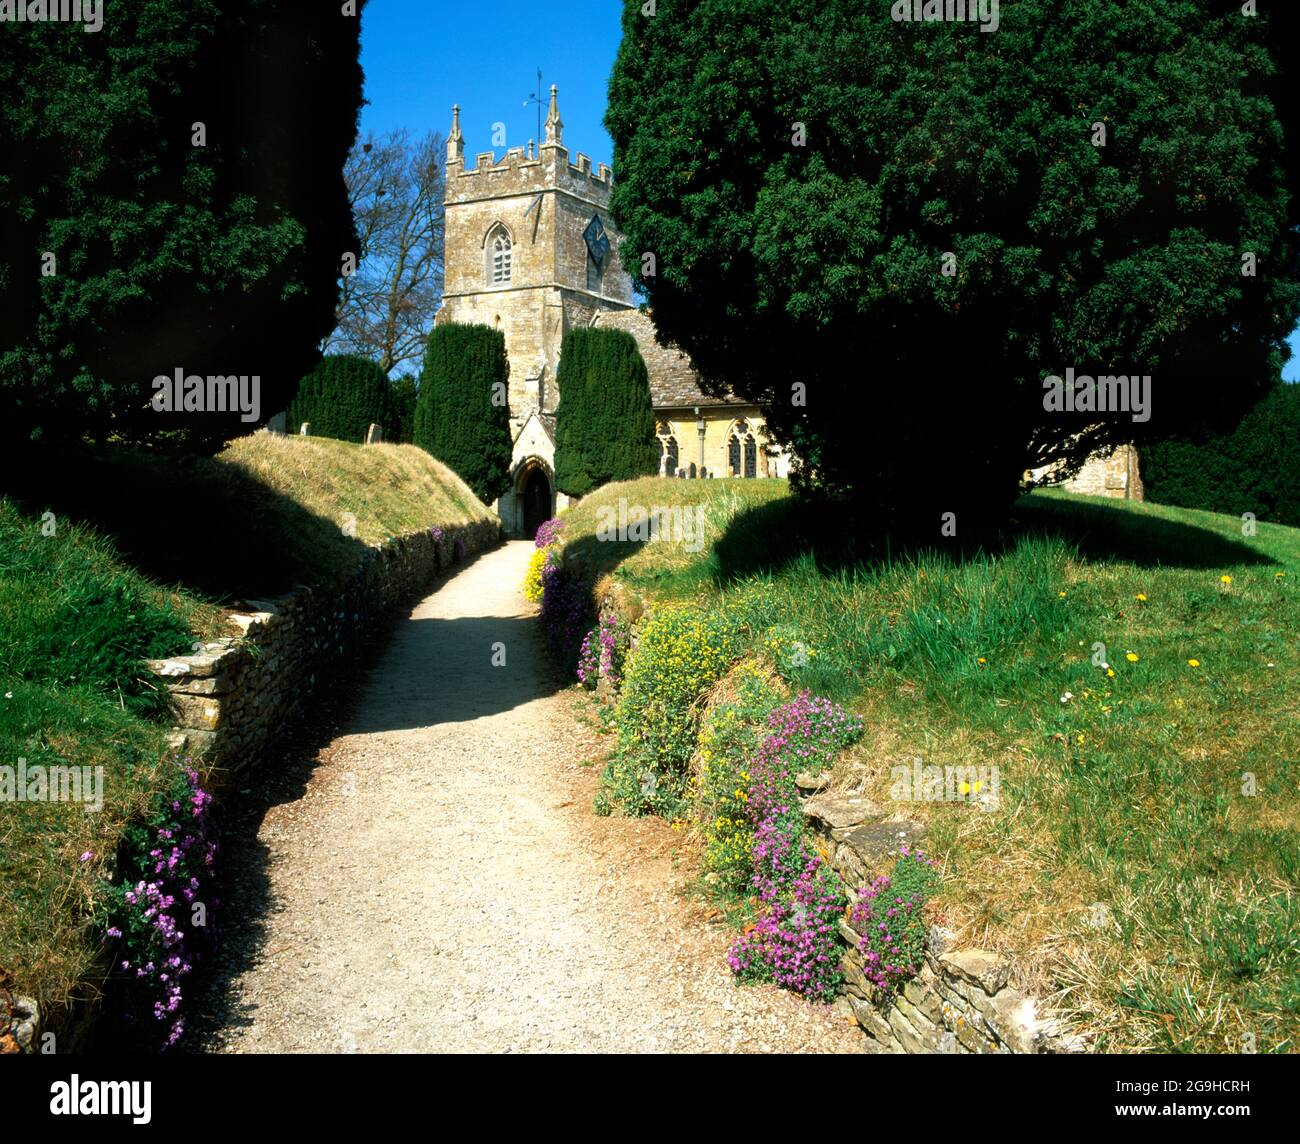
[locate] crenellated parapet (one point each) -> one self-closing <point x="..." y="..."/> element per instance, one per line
<point x="525" y="170"/>
<point x="522" y="170"/>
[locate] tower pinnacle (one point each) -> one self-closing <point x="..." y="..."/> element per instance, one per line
<point x="455" y="141"/>
<point x="554" y="124"/>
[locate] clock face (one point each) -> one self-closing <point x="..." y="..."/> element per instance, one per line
<point x="597" y="240"/>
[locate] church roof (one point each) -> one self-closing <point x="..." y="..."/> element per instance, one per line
<point x="674" y="381"/>
<point x="545" y="420"/>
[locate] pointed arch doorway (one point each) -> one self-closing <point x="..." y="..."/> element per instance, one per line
<point x="535" y="499"/>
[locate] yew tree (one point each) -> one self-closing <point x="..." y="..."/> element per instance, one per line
<point x="171" y="197"/>
<point x="890" y="232"/>
<point x="342" y="397"/>
<point x="605" y="425"/>
<point x="462" y="413"/>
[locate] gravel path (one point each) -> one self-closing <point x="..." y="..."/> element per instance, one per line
<point x="437" y="881"/>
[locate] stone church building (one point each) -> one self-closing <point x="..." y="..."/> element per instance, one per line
<point x="531" y="250"/>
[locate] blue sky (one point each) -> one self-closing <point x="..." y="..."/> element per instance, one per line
<point x="421" y="56"/>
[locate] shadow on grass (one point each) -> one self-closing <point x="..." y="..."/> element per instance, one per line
<point x="1104" y="532"/>
<point x="593" y="557"/>
<point x="769" y="537"/>
<point x="200" y="523"/>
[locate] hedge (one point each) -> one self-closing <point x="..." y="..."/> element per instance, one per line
<point x="1255" y="468"/>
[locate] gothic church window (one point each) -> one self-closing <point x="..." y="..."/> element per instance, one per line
<point x="500" y="256"/>
<point x="668" y="456"/>
<point x="742" y="451"/>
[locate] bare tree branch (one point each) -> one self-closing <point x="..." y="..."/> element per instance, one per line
<point x="386" y="308"/>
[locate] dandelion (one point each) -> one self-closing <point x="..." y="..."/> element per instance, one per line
<point x="1278" y="575"/>
<point x="1193" y="663"/>
<point x="1141" y="597"/>
<point x="1110" y="672"/>
<point x="981" y="660"/>
<point x="1060" y="595"/>
<point x="1131" y="657"/>
<point x="1225" y="579"/>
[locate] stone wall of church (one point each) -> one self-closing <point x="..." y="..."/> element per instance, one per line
<point x="1117" y="476"/>
<point x="547" y="294"/>
<point x="477" y="199"/>
<point x="718" y="424"/>
<point x="573" y="213"/>
<point x="501" y="193"/>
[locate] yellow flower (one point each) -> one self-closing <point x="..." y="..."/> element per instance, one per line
<point x="1061" y="595"/>
<point x="1078" y="738"/>
<point x="1110" y="673"/>
<point x="1225" y="579"/>
<point x="1278" y="575"/>
<point x="1131" y="657"/>
<point x="1142" y="597"/>
<point x="1193" y="663"/>
<point x="981" y="660"/>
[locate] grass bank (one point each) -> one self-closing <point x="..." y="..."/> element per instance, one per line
<point x="107" y="560"/>
<point x="1131" y="672"/>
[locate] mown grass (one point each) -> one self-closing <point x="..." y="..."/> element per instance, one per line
<point x="670" y="567"/>
<point x="391" y="490"/>
<point x="84" y="602"/>
<point x="1128" y="865"/>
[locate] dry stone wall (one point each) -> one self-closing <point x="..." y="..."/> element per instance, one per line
<point x="234" y="698"/>
<point x="960" y="1001"/>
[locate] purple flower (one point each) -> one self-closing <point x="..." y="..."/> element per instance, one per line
<point x="174" y="876"/>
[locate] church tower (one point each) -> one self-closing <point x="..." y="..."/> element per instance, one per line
<point x="532" y="251"/>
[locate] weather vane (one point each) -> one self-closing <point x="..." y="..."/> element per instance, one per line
<point x="537" y="99"/>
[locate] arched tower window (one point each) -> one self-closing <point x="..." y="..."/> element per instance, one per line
<point x="668" y="455"/>
<point x="500" y="256"/>
<point x="742" y="451"/>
